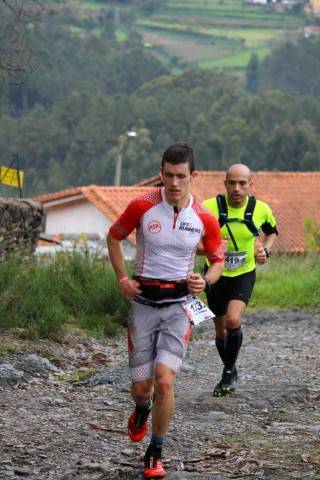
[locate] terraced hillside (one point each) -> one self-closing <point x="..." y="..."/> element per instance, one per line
<point x="215" y="33"/>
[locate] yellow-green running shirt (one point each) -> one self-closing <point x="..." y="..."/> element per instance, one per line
<point x="262" y="218"/>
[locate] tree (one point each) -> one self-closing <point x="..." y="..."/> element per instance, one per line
<point x="294" y="147"/>
<point x="200" y="134"/>
<point x="17" y="57"/>
<point x="294" y="67"/>
<point x="252" y="73"/>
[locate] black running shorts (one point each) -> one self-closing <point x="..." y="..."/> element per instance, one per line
<point x="230" y="288"/>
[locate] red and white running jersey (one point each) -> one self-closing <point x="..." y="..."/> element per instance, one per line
<point x="167" y="238"/>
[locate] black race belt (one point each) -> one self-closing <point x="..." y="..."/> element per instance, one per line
<point x="157" y="290"/>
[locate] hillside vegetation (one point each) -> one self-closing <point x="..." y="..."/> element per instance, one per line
<point x="213" y="33"/>
<point x="96" y="79"/>
<point x="42" y="299"/>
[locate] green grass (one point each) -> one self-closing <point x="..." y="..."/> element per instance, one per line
<point x="213" y="22"/>
<point x="227" y="8"/>
<point x="250" y="36"/>
<point x="9" y="349"/>
<point x="43" y="297"/>
<point x="79" y="290"/>
<point x="87" y="5"/>
<point x="121" y="35"/>
<point x="239" y="60"/>
<point x="227" y="21"/>
<point x="249" y="28"/>
<point x="288" y="282"/>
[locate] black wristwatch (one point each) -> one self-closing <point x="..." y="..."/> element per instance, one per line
<point x="268" y="253"/>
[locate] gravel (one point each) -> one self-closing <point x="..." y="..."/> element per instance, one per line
<point x="56" y="425"/>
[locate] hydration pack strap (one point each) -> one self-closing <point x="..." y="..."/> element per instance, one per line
<point x="247" y="220"/>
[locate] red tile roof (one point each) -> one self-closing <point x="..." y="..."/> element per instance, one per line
<point x="50" y="197"/>
<point x="293" y="196"/>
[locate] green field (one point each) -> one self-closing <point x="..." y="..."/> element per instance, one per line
<point x="216" y="34"/>
<point x="211" y="34"/>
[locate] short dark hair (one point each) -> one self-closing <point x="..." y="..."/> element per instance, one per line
<point x="180" y="152"/>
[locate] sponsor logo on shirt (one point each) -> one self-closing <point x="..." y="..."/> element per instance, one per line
<point x="154" y="226"/>
<point x="187" y="227"/>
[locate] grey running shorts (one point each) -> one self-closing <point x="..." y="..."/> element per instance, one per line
<point x="156" y="335"/>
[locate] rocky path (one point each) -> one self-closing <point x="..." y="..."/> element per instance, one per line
<point x="64" y="407"/>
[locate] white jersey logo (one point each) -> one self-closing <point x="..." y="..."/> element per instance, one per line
<point x="154" y="226"/>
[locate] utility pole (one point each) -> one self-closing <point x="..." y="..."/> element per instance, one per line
<point x="121" y="141"/>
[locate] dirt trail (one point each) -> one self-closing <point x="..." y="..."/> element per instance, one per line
<point x="55" y="426"/>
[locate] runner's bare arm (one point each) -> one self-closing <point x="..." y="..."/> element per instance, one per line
<point x="214" y="272"/>
<point x="197" y="283"/>
<point x="224" y="244"/>
<point x="263" y="248"/>
<point x="268" y="240"/>
<point x="129" y="288"/>
<point x="116" y="256"/>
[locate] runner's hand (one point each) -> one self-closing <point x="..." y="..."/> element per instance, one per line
<point x="224" y="244"/>
<point x="196" y="284"/>
<point x="129" y="287"/>
<point x="260" y="255"/>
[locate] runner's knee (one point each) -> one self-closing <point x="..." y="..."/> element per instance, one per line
<point x="163" y="387"/>
<point x="233" y="320"/>
<point x="142" y="391"/>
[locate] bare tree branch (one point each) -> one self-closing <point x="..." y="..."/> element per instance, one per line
<point x="17" y="58"/>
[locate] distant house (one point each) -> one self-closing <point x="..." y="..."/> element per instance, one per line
<point x="278" y="5"/>
<point x="314" y="7"/>
<point x="89" y="211"/>
<point x="310" y="31"/>
<point x="86" y="213"/>
<point x="257" y="2"/>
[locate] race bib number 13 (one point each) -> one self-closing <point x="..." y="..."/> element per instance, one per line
<point x="197" y="311"/>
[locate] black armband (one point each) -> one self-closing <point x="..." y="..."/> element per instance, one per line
<point x="269" y="229"/>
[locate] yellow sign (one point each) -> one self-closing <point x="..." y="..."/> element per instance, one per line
<point x="11" y="176"/>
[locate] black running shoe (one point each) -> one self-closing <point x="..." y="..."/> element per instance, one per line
<point x="217" y="391"/>
<point x="229" y="380"/>
<point x="227" y="383"/>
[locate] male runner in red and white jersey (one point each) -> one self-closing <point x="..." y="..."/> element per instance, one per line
<point x="169" y="225"/>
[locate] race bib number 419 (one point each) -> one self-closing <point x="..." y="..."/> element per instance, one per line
<point x="197" y="311"/>
<point x="234" y="260"/>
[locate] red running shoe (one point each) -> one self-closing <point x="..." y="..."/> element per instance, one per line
<point x="137" y="426"/>
<point x="154" y="469"/>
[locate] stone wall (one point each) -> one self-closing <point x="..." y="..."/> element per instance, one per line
<point x="20" y="225"/>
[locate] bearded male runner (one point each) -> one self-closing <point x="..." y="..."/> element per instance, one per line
<point x="241" y="217"/>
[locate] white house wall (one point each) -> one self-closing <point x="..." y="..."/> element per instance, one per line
<point x="81" y="217"/>
<point x="76" y="218"/>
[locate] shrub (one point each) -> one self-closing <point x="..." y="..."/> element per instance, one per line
<point x="87" y="286"/>
<point x="312" y="229"/>
<point x="100" y="325"/>
<point x="42" y="297"/>
<point x="288" y="282"/>
<point x="31" y="302"/>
